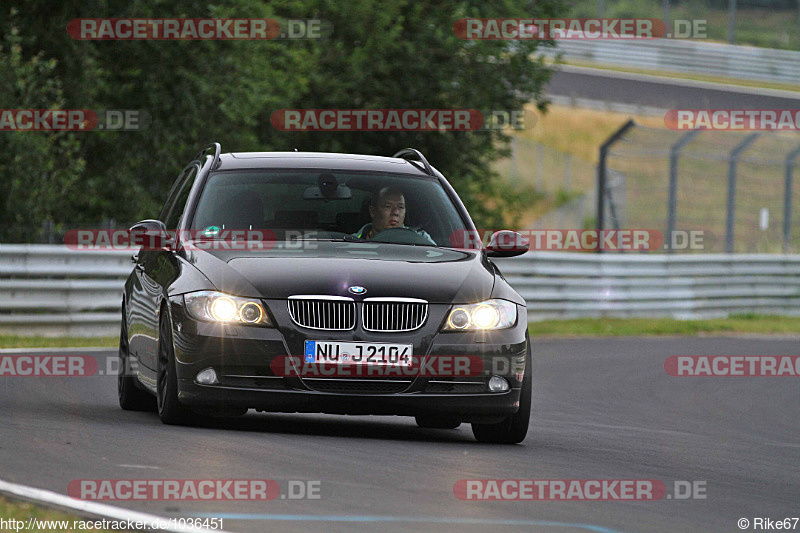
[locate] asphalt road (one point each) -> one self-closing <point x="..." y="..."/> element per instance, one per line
<point x="664" y="93"/>
<point x="603" y="409"/>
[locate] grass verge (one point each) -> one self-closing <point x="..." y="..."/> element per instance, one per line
<point x="59" y="521"/>
<point x="15" y="341"/>
<point x="611" y="327"/>
<point x="579" y="327"/>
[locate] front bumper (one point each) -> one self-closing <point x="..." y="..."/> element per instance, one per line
<point x="242" y="357"/>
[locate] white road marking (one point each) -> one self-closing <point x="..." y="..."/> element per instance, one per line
<point x="97" y="509"/>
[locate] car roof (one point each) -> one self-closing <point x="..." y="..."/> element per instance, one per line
<point x="321" y="160"/>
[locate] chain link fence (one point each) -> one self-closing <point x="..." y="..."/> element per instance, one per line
<point x="735" y="187"/>
<point x="765" y="23"/>
<point x="566" y="183"/>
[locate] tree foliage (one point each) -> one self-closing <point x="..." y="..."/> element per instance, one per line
<point x="400" y="54"/>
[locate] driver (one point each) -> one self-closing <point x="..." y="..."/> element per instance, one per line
<point x="388" y="210"/>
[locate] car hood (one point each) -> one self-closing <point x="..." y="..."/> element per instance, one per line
<point x="438" y="275"/>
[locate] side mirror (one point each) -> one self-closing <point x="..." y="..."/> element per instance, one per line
<point x="151" y="234"/>
<point x="507" y="243"/>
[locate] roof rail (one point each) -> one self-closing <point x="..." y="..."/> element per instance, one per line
<point x="405" y="152"/>
<point x="217" y="150"/>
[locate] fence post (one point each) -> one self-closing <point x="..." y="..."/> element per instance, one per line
<point x="540" y="165"/>
<point x="601" y="172"/>
<point x="568" y="173"/>
<point x="731" y="21"/>
<point x="674" y="151"/>
<point x="734" y="158"/>
<point x="787" y="198"/>
<point x="514" y="172"/>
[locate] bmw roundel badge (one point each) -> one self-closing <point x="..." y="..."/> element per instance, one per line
<point x="357" y="289"/>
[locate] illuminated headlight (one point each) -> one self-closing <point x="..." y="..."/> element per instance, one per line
<point x="491" y="314"/>
<point x="219" y="307"/>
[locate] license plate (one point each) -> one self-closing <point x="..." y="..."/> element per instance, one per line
<point x="367" y="353"/>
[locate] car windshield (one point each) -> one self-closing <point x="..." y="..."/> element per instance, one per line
<point x="328" y="205"/>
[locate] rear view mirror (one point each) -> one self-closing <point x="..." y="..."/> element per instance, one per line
<point x="507" y="244"/>
<point x="151" y="234"/>
<point x="342" y="192"/>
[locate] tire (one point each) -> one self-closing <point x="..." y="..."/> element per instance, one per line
<point x="170" y="410"/>
<point x="131" y="397"/>
<point x="513" y="429"/>
<point x="437" y="422"/>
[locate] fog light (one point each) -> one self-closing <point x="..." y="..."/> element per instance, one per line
<point x="498" y="384"/>
<point x="209" y="377"/>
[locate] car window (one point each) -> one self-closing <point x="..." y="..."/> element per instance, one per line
<point x="176" y="210"/>
<point x="322" y="204"/>
<point x="173" y="193"/>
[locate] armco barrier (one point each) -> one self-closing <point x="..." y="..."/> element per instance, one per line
<point x="691" y="57"/>
<point x="50" y="290"/>
<point x="572" y="285"/>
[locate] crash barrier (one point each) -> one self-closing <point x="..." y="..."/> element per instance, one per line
<point x="51" y="290"/>
<point x="573" y="285"/>
<point x="685" y="56"/>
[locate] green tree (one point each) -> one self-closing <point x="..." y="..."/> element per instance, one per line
<point x="400" y="54"/>
<point x="39" y="171"/>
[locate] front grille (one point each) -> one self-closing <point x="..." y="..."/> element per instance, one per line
<point x="337" y="313"/>
<point x="393" y="314"/>
<point x="357" y="386"/>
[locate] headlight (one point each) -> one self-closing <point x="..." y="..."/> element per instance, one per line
<point x="219" y="307"/>
<point x="491" y="314"/>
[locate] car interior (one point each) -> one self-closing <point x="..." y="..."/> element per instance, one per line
<point x="333" y="205"/>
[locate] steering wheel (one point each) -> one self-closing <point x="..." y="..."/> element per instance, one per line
<point x="401" y="236"/>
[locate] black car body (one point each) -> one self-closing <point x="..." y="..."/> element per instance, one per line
<point x="279" y="299"/>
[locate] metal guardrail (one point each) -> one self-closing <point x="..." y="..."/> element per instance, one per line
<point x="50" y="290"/>
<point x="572" y="285"/>
<point x="726" y="60"/>
<point x="53" y="291"/>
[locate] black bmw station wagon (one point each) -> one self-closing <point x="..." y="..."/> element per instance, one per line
<point x="323" y="283"/>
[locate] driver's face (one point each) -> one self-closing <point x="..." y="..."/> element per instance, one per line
<point x="389" y="213"/>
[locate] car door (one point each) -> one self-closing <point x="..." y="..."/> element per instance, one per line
<point x="147" y="291"/>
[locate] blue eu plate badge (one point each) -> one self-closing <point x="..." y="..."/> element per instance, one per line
<point x="310" y="349"/>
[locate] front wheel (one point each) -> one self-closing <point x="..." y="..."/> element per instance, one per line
<point x="513" y="429"/>
<point x="170" y="410"/>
